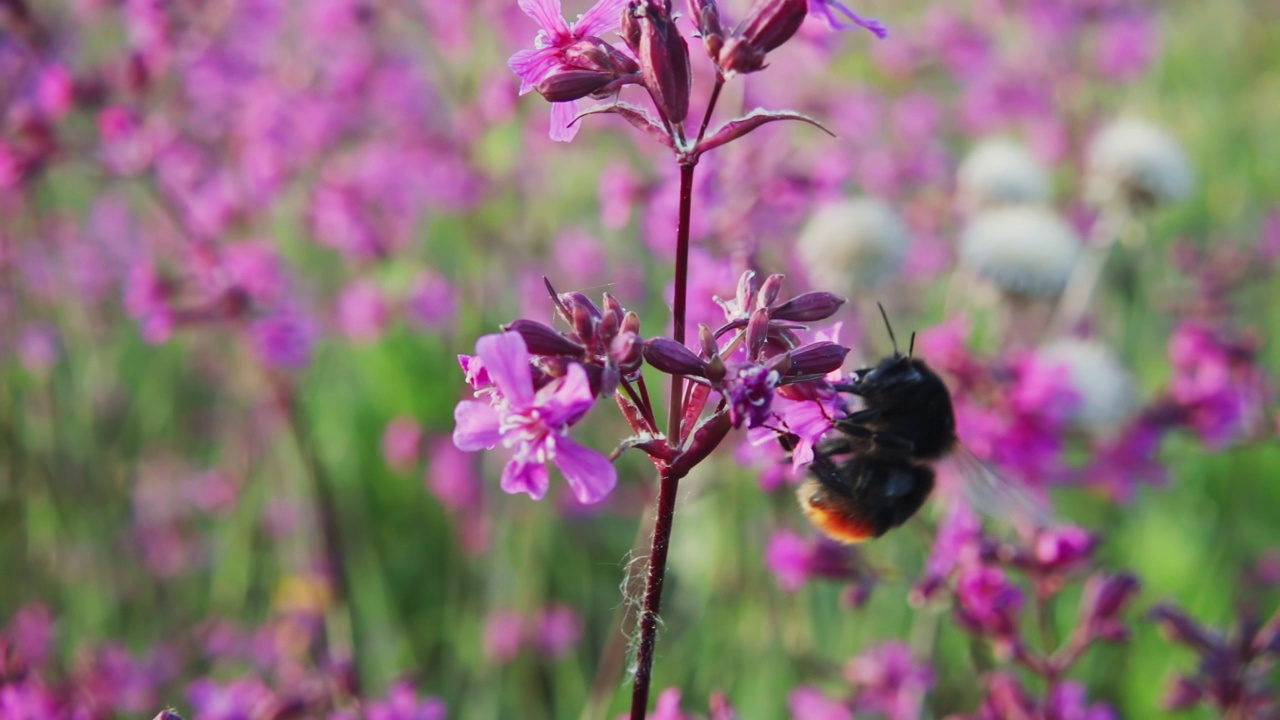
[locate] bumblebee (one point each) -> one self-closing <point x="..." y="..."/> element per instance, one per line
<point x="877" y="472"/>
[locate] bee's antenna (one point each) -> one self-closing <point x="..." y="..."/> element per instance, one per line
<point x="889" y="327"/>
<point x="911" y="346"/>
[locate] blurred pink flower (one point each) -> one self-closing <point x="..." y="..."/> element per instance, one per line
<point x="556" y="630"/>
<point x="55" y="91"/>
<point x="402" y="703"/>
<point x="503" y="636"/>
<point x="890" y="682"/>
<point x="451" y="476"/>
<point x="433" y="302"/>
<point x="1126" y="45"/>
<point x="810" y="703"/>
<point x="402" y="443"/>
<point x="284" y="339"/>
<point x="361" y="312"/>
<point x="38" y="347"/>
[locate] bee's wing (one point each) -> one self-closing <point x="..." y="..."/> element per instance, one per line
<point x="983" y="488"/>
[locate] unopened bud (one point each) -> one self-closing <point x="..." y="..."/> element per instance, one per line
<point x="673" y="358"/>
<point x="584" y="323"/>
<point x="757" y="332"/>
<point x="747" y="287"/>
<point x="817" y="358"/>
<point x="607" y="328"/>
<point x="627" y="350"/>
<point x="631" y="323"/>
<point x="1105" y="596"/>
<point x="613" y="306"/>
<point x="663" y="55"/>
<point x="570" y="85"/>
<point x="1182" y="694"/>
<point x="1180" y="628"/>
<point x="708" y="341"/>
<point x="769" y="290"/>
<point x="169" y="714"/>
<point x="808" y="307"/>
<point x="768" y="25"/>
<point x="543" y="339"/>
<point x="706" y="17"/>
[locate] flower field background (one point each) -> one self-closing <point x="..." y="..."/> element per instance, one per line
<point x="243" y="243"/>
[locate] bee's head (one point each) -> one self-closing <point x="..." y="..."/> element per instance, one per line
<point x="891" y="376"/>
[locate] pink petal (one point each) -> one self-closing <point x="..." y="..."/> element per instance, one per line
<point x="564" y="402"/>
<point x="525" y="477"/>
<point x="561" y="115"/>
<point x="591" y="476"/>
<point x="533" y="65"/>
<point x="506" y="358"/>
<point x="605" y="16"/>
<point x="476" y="426"/>
<point x="547" y="14"/>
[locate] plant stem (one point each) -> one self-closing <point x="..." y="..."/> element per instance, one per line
<point x="670" y="482"/>
<point x="653" y="594"/>
<point x="326" y="509"/>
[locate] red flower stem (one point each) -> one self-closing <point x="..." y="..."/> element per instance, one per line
<point x="653" y="593"/>
<point x="670" y="482"/>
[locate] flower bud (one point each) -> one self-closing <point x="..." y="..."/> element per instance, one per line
<point x="769" y="290"/>
<point x="607" y="328"/>
<point x="1105" y="596"/>
<point x="757" y="332"/>
<point x="817" y="358"/>
<point x="569" y="85"/>
<point x="673" y="358"/>
<point x="584" y="323"/>
<point x="768" y="25"/>
<point x="663" y="55"/>
<point x="631" y="323"/>
<point x="808" y="307"/>
<point x="1182" y="694"/>
<point x="169" y="714"/>
<point x="543" y="339"/>
<point x="706" y="17"/>
<point x="627" y="350"/>
<point x="708" y="341"/>
<point x="1178" y="627"/>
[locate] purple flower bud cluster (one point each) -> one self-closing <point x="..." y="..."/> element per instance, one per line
<point x="997" y="585"/>
<point x="1234" y="674"/>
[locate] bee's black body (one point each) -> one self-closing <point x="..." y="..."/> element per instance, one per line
<point x="876" y="474"/>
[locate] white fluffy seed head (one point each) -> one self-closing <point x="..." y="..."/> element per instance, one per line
<point x="1104" y="384"/>
<point x="999" y="171"/>
<point x="1025" y="250"/>
<point x="1137" y="164"/>
<point x="852" y="245"/>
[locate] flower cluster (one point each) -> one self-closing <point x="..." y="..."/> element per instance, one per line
<point x="1232" y="675"/>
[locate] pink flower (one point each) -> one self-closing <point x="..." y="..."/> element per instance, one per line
<point x="557" y="629"/>
<point x="533" y="422"/>
<point x="402" y="443"/>
<point x="402" y="703"/>
<point x="451" y="477"/>
<point x="547" y="55"/>
<point x="503" y="636"/>
<point x="890" y="681"/>
<point x="810" y="703"/>
<point x="361" y="312"/>
<point x="433" y="301"/>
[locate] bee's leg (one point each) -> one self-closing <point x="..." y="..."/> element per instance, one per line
<point x="886" y="441"/>
<point x="862" y="417"/>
